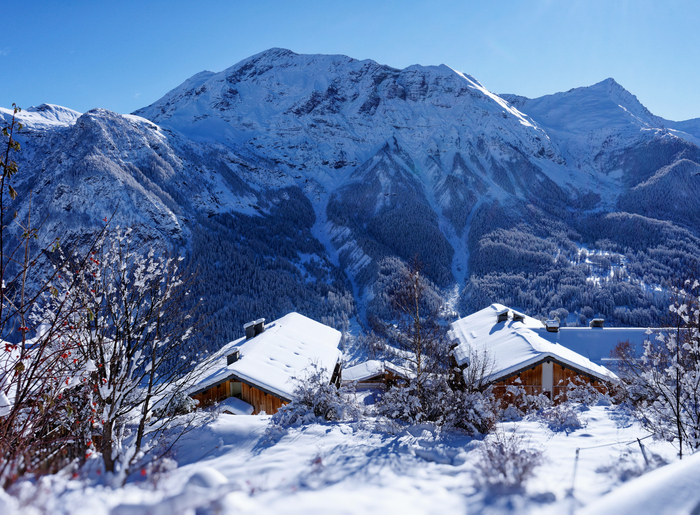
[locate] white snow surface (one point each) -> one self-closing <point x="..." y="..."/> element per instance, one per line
<point x="230" y="466"/>
<point x="513" y="345"/>
<point x="273" y="359"/>
<point x="670" y="490"/>
<point x="235" y="406"/>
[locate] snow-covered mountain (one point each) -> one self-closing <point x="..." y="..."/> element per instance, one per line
<point x="593" y="122"/>
<point x="287" y="178"/>
<point x="317" y="114"/>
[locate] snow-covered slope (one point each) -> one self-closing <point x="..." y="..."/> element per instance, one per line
<point x="120" y="164"/>
<point x="673" y="489"/>
<point x="232" y="466"/>
<point x="192" y="198"/>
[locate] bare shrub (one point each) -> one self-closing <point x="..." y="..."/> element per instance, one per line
<point x="506" y="463"/>
<point x="630" y="465"/>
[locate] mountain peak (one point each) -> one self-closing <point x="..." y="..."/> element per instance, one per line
<point x="610" y="82"/>
<point x="273" y="53"/>
<point x="610" y="86"/>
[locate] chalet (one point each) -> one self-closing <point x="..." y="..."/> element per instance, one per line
<point x="375" y="374"/>
<point x="515" y="345"/>
<point x="256" y="373"/>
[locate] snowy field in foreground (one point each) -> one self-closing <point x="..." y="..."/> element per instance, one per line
<point x="229" y="466"/>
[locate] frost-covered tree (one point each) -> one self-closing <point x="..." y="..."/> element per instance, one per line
<point x="134" y="334"/>
<point x="664" y="383"/>
<point x="94" y="342"/>
<point x="418" y="338"/>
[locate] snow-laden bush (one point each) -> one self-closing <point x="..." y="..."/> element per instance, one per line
<point x="519" y="403"/>
<point x="581" y="392"/>
<point x="436" y="403"/>
<point x="562" y="417"/>
<point x="473" y="412"/>
<point x="402" y="404"/>
<point x="505" y="463"/>
<point x="316" y="398"/>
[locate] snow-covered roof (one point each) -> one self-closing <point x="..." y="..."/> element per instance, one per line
<point x="272" y="359"/>
<point x="363" y="371"/>
<point x="514" y="345"/>
<point x="372" y="368"/>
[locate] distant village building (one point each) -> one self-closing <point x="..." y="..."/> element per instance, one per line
<point x="520" y="353"/>
<point x="375" y="374"/>
<point x="256" y="373"/>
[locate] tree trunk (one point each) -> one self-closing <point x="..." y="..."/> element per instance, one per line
<point x="107" y="445"/>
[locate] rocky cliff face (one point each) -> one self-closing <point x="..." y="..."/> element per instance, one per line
<point x="371" y="162"/>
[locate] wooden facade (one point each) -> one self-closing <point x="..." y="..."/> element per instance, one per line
<point x="214" y="394"/>
<point x="260" y="400"/>
<point x="550" y="378"/>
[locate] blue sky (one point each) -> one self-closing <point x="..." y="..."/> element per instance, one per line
<point x="125" y="55"/>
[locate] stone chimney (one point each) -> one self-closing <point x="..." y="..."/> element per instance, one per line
<point x="254" y="328"/>
<point x="233" y="357"/>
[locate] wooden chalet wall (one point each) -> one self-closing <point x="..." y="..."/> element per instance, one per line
<point x="562" y="375"/>
<point x="214" y="394"/>
<point x="260" y="400"/>
<point x="531" y="381"/>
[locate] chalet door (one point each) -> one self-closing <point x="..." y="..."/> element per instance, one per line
<point x="236" y="389"/>
<point x="548" y="378"/>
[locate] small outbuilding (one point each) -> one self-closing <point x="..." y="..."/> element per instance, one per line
<point x="260" y="369"/>
<point x="374" y="374"/>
